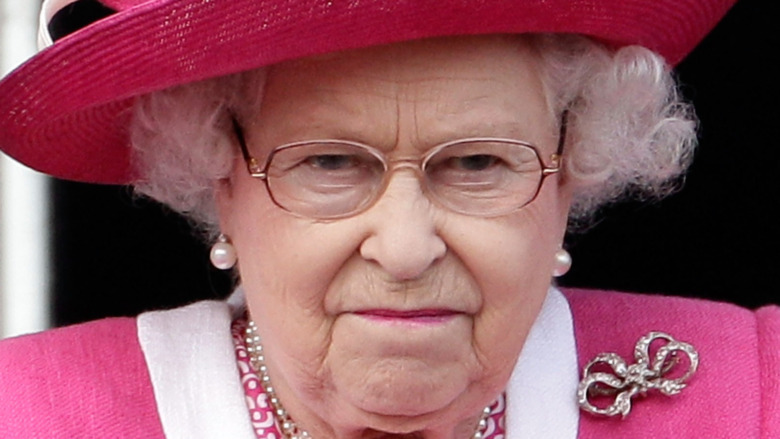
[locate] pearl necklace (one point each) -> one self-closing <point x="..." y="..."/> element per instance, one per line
<point x="289" y="429"/>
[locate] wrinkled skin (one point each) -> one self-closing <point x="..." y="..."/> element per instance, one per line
<point x="344" y="374"/>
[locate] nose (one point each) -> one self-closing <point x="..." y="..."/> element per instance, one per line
<point x="404" y="239"/>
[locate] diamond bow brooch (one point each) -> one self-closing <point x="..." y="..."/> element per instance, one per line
<point x="608" y="375"/>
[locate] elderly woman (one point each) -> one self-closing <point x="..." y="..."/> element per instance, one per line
<point x="391" y="182"/>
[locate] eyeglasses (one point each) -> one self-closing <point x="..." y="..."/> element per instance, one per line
<point x="331" y="179"/>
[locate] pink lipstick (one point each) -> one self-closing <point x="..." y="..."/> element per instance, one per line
<point x="417" y="316"/>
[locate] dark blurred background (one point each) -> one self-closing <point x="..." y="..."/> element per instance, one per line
<point x="117" y="255"/>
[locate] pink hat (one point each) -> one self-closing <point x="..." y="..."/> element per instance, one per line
<point x="65" y="112"/>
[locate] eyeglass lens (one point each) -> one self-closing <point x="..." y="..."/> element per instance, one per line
<point x="332" y="179"/>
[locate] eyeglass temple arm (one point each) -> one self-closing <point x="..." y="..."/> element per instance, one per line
<point x="556" y="158"/>
<point x="251" y="162"/>
<point x="239" y="132"/>
<point x="562" y="133"/>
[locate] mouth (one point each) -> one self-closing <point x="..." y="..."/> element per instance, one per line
<point x="417" y="316"/>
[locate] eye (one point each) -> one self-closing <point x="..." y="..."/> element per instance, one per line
<point x="476" y="162"/>
<point x="469" y="172"/>
<point x="332" y="162"/>
<point x="484" y="169"/>
<point x="321" y="159"/>
<point x="326" y="167"/>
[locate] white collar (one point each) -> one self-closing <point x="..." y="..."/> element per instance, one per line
<point x="192" y="365"/>
<point x="541" y="394"/>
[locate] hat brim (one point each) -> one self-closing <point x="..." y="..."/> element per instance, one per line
<point x="66" y="111"/>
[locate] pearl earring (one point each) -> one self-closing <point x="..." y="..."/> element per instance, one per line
<point x="562" y="263"/>
<point x="223" y="254"/>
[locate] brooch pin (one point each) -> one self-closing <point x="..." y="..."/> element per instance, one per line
<point x="625" y="381"/>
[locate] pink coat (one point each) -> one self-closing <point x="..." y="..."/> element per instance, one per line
<point x="736" y="390"/>
<point x="91" y="380"/>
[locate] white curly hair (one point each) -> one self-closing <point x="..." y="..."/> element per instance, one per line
<point x="628" y="133"/>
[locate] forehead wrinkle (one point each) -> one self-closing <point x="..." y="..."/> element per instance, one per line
<point x="359" y="112"/>
<point x="470" y="118"/>
<point x="444" y="112"/>
<point x="333" y="112"/>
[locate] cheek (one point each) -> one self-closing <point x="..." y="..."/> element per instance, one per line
<point x="511" y="260"/>
<point x="287" y="266"/>
<point x="282" y="257"/>
<point x="286" y="270"/>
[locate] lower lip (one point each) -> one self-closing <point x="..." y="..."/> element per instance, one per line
<point x="420" y="317"/>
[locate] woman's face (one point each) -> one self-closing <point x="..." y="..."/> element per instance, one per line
<point x="408" y="316"/>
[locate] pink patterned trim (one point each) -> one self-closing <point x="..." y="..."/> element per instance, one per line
<point x="260" y="411"/>
<point x="262" y="416"/>
<point x="495" y="422"/>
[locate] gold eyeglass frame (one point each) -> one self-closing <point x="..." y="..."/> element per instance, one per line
<point x="417" y="165"/>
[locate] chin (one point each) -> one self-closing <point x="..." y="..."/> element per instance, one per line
<point x="405" y="388"/>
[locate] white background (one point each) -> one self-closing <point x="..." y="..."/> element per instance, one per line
<point x="24" y="238"/>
